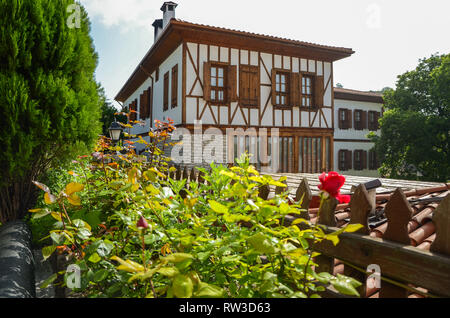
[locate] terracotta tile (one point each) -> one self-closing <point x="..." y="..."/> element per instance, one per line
<point x="342" y="216"/>
<point x="419" y="235"/>
<point x="338" y="269"/>
<point x="423" y="216"/>
<point x="412" y="226"/>
<point x="424" y="246"/>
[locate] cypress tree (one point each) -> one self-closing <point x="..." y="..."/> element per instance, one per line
<point x="49" y="103"/>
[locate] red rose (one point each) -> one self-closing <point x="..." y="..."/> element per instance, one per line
<point x="332" y="184"/>
<point x="142" y="223"/>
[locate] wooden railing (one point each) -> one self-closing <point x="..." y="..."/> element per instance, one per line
<point x="405" y="269"/>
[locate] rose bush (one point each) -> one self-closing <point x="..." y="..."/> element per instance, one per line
<point x="136" y="232"/>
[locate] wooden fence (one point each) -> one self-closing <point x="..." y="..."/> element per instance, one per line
<point x="404" y="269"/>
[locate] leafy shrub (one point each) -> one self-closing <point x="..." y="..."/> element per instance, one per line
<point x="135" y="232"/>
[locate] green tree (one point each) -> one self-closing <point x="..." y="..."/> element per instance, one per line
<point x="109" y="113"/>
<point x="49" y="104"/>
<point x="415" y="129"/>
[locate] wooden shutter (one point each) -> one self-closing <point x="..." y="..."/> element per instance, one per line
<point x="255" y="86"/>
<point x="318" y="91"/>
<point x="300" y="91"/>
<point x="166" y="91"/>
<point x="142" y="106"/>
<point x="150" y="104"/>
<point x="341" y="123"/>
<point x="295" y="89"/>
<point x="364" y="119"/>
<point x="232" y="90"/>
<point x="364" y="159"/>
<point x="244" y="84"/>
<point x="274" y="83"/>
<point x="207" y="81"/>
<point x="349" y="119"/>
<point x="348" y="159"/>
<point x="174" y="97"/>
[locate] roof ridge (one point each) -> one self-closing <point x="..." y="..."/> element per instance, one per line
<point x="339" y="48"/>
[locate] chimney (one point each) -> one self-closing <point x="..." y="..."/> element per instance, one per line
<point x="158" y="25"/>
<point x="168" y="9"/>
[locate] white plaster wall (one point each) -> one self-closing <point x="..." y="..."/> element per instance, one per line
<point x="352" y="133"/>
<point x="158" y="93"/>
<point x="199" y="54"/>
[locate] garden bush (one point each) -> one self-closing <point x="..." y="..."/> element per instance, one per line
<point x="133" y="231"/>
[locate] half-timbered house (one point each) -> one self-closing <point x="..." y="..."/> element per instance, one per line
<point x="239" y="81"/>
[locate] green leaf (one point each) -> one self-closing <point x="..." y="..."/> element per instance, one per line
<point x="100" y="275"/>
<point x="262" y="244"/>
<point x="168" y="271"/>
<point x="94" y="258"/>
<point x="48" y="281"/>
<point x="177" y="257"/>
<point x="209" y="291"/>
<point x="217" y="207"/>
<point x="182" y="286"/>
<point x="48" y="251"/>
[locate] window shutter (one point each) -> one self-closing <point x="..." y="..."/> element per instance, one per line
<point x="295" y="89"/>
<point x="348" y="160"/>
<point x="377" y="117"/>
<point x="300" y="92"/>
<point x="364" y="119"/>
<point x="364" y="160"/>
<point x="274" y="76"/>
<point x="142" y="106"/>
<point x="244" y="84"/>
<point x="232" y="90"/>
<point x="255" y="88"/>
<point x="318" y="91"/>
<point x="207" y="81"/>
<point x="149" y="103"/>
<point x="340" y="111"/>
<point x="349" y="119"/>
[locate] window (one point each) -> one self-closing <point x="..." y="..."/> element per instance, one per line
<point x="360" y="159"/>
<point x="373" y="120"/>
<point x="218" y="92"/>
<point x="307" y="91"/>
<point x="345" y="121"/>
<point x="249" y="84"/>
<point x="219" y="83"/>
<point x="174" y="92"/>
<point x="157" y="74"/>
<point x="166" y="91"/>
<point x="345" y="160"/>
<point x="282" y="89"/>
<point x="373" y="161"/>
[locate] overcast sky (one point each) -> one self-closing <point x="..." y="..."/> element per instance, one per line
<point x="388" y="36"/>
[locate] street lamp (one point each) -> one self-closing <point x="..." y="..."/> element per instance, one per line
<point x="115" y="131"/>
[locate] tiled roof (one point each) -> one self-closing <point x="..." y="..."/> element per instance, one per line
<point x="352" y="94"/>
<point x="265" y="36"/>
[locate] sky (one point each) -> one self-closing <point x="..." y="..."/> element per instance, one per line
<point x="388" y="36"/>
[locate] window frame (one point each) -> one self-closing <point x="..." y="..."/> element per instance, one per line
<point x="216" y="89"/>
<point x="287" y="93"/>
<point x="358" y="124"/>
<point x="311" y="95"/>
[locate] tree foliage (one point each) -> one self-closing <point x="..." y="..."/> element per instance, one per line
<point x="415" y="129"/>
<point x="49" y="104"/>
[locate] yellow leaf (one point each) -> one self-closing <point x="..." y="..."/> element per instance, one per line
<point x="74" y="200"/>
<point x="128" y="266"/>
<point x="73" y="187"/>
<point x="252" y="170"/>
<point x="49" y="198"/>
<point x="56" y="216"/>
<point x="35" y="210"/>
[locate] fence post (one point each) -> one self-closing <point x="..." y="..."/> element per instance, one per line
<point x="398" y="212"/>
<point x="360" y="208"/>
<point x="192" y="176"/>
<point x="441" y="220"/>
<point x="304" y="193"/>
<point x="326" y="217"/>
<point x="280" y="190"/>
<point x="264" y="192"/>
